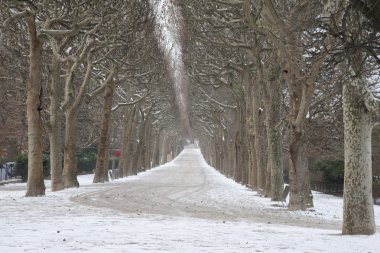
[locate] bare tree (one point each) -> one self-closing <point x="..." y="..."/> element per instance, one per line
<point x="35" y="185"/>
<point x="360" y="109"/>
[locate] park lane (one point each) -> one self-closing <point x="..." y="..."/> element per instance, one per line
<point x="188" y="187"/>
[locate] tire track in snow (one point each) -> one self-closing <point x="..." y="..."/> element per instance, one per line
<point x="188" y="187"/>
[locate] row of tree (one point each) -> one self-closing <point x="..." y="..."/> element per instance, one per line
<point x="272" y="76"/>
<point x="265" y="77"/>
<point x="77" y="52"/>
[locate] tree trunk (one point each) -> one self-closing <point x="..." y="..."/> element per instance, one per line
<point x="131" y="169"/>
<point x="268" y="177"/>
<point x="138" y="155"/>
<point x="273" y="119"/>
<point x="219" y="150"/>
<point x="164" y="148"/>
<point x="252" y="169"/>
<point x="69" y="160"/>
<point x="300" y="197"/>
<point x="101" y="170"/>
<point x="275" y="157"/>
<point x="231" y="154"/>
<point x="125" y="152"/>
<point x="55" y="133"/>
<point x="71" y="120"/>
<point x="156" y="154"/>
<point x="142" y="146"/>
<point x="148" y="147"/>
<point x="238" y="175"/>
<point x="259" y="136"/>
<point x="211" y="147"/>
<point x="35" y="185"/>
<point x="358" y="214"/>
<point x="226" y="162"/>
<point x="244" y="148"/>
<point x="212" y="152"/>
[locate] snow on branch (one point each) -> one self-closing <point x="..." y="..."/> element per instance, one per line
<point x="129" y="103"/>
<point x="72" y="31"/>
<point x="219" y="103"/>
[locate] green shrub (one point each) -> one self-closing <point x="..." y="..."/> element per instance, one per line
<point x="117" y="161"/>
<point x="22" y="166"/>
<point x="46" y="165"/>
<point x="86" y="160"/>
<point x="333" y="171"/>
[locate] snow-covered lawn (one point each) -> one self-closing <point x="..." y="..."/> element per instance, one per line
<point x="54" y="223"/>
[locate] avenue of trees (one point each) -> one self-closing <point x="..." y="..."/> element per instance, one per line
<point x="265" y="79"/>
<point x="274" y="79"/>
<point x="84" y="65"/>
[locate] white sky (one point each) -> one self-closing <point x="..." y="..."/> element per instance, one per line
<point x="168" y="19"/>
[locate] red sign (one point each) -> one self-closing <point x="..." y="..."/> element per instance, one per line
<point x="117" y="153"/>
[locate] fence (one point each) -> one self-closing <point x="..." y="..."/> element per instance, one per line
<point x="8" y="171"/>
<point x="337" y="190"/>
<point x="328" y="188"/>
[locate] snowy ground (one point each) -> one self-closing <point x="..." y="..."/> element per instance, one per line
<point x="184" y="206"/>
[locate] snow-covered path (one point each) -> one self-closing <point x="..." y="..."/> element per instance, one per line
<point x="188" y="187"/>
<point x="184" y="206"/>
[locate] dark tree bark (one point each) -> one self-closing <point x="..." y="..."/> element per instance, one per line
<point x="35" y="185"/>
<point x="101" y="170"/>
<point x="125" y="152"/>
<point x="258" y="116"/>
<point x="55" y="133"/>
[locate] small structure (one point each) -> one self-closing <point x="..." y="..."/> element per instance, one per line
<point x="8" y="171"/>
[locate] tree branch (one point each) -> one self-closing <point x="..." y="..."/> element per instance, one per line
<point x="216" y="102"/>
<point x="128" y="104"/>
